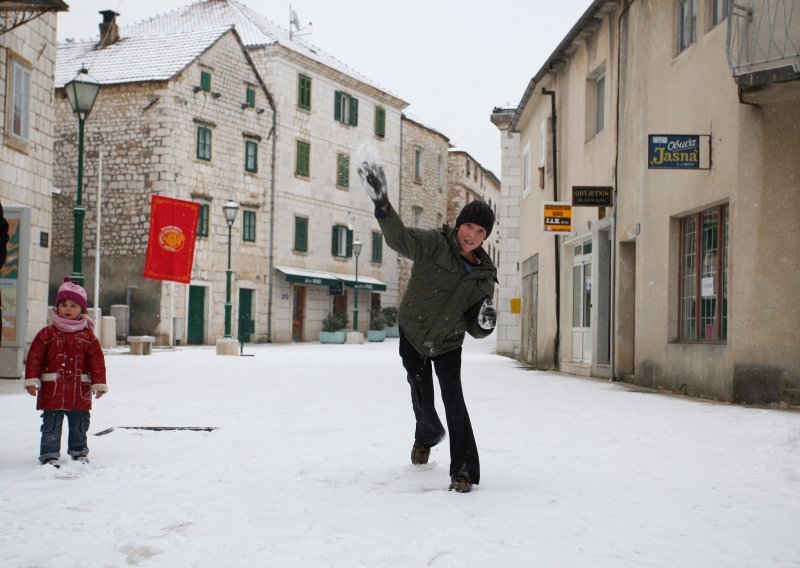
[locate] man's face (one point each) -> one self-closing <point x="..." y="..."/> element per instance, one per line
<point x="470" y="236"/>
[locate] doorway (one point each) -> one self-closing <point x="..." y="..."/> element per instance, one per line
<point x="530" y="308"/>
<point x="197" y="319"/>
<point x="245" y="315"/>
<point x="626" y="311"/>
<point x="582" y="303"/>
<point x="298" y="312"/>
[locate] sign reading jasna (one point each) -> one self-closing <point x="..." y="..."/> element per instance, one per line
<point x="674" y="151"/>
<point x="557" y="217"/>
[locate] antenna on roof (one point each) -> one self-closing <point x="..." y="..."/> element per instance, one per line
<point x="294" y="25"/>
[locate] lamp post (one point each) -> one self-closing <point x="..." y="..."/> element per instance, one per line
<point x="231" y="208"/>
<point x="356" y="251"/>
<point x="82" y="92"/>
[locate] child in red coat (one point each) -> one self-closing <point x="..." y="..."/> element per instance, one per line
<point x="65" y="367"/>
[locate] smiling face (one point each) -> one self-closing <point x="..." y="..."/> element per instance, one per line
<point x="69" y="310"/>
<point x="470" y="236"/>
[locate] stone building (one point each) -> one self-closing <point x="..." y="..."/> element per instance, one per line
<point x="422" y="198"/>
<point x="308" y="196"/>
<point x="27" y="63"/>
<point x="182" y="115"/>
<point x="676" y="273"/>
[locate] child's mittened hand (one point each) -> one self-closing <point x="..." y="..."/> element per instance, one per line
<point x="31" y="390"/>
<point x="487" y="318"/>
<point x="98" y="394"/>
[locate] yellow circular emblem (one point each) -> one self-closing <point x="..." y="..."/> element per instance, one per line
<point x="171" y="238"/>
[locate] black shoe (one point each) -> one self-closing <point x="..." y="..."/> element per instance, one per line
<point x="80" y="459"/>
<point x="460" y="484"/>
<point x="52" y="461"/>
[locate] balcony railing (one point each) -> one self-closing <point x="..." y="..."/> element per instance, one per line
<point x="764" y="43"/>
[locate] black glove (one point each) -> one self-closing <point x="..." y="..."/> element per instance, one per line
<point x="374" y="181"/>
<point x="487" y="317"/>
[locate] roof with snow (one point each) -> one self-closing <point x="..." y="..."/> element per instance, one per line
<point x="254" y="29"/>
<point x="136" y="59"/>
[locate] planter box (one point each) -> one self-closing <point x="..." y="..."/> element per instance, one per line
<point x="392" y="331"/>
<point x="374" y="335"/>
<point x="333" y="336"/>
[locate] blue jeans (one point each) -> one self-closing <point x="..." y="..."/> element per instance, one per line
<point x="52" y="420"/>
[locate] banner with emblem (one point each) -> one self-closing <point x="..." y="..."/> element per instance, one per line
<point x="170" y="248"/>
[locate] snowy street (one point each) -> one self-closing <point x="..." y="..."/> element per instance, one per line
<point x="309" y="467"/>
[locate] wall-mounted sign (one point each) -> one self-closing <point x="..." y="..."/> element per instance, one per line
<point x="673" y="151"/>
<point x="557" y="217"/>
<point x="592" y="196"/>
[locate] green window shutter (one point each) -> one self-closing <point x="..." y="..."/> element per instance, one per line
<point x="251" y="97"/>
<point x="377" y="247"/>
<point x="343" y="171"/>
<point x="353" y="111"/>
<point x="249" y="226"/>
<point x="303" y="158"/>
<point x="205" y="80"/>
<point x="349" y="252"/>
<point x="337" y="106"/>
<point x="335" y="240"/>
<point x="203" y="143"/>
<point x="380" y="122"/>
<point x="301" y="234"/>
<point x="304" y="92"/>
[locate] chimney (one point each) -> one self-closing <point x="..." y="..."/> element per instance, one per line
<point x="109" y="31"/>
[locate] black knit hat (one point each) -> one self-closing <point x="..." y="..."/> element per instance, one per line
<point x="479" y="213"/>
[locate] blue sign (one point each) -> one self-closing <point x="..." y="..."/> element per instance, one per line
<point x="673" y="151"/>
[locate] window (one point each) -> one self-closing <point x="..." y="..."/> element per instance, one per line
<point x="19" y="100"/>
<point x="468" y="166"/>
<point x="703" y="312"/>
<point x="205" y="81"/>
<point x="304" y="91"/>
<point x="543" y="142"/>
<point x="439" y="219"/>
<point x="380" y="122"/>
<point x="203" y="143"/>
<point x="719" y="11"/>
<point x="526" y="170"/>
<point x="343" y="170"/>
<point x="249" y="226"/>
<point x="600" y="104"/>
<point x="250" y="97"/>
<point x="251" y="156"/>
<point x="302" y="166"/>
<point x="377" y="247"/>
<point x="202" y="222"/>
<point x="416" y="216"/>
<point x="417" y="164"/>
<point x="687" y="20"/>
<point x="301" y="234"/>
<point x="345" y="109"/>
<point x="341" y="241"/>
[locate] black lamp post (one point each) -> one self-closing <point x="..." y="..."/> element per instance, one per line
<point x="231" y="208"/>
<point x="356" y="251"/>
<point x="82" y="92"/>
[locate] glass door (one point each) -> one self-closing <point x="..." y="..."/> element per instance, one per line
<point x="582" y="303"/>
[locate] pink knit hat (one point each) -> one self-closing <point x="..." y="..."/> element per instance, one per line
<point x="71" y="291"/>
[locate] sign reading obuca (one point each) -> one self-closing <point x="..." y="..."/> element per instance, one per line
<point x="673" y="151"/>
<point x="557" y="217"/>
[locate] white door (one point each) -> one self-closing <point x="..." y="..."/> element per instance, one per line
<point x="582" y="303"/>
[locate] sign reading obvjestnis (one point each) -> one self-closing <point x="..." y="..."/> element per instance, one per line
<point x="673" y="151"/>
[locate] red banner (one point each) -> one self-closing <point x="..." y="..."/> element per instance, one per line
<point x="170" y="248"/>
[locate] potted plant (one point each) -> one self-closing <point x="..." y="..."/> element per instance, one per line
<point x="377" y="323"/>
<point x="390" y="315"/>
<point x="333" y="328"/>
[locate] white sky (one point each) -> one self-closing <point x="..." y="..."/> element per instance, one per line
<point x="452" y="60"/>
<point x="309" y="468"/>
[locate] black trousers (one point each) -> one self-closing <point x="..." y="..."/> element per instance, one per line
<point x="429" y="430"/>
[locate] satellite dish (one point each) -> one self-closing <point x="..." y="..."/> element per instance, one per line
<point x="295" y="20"/>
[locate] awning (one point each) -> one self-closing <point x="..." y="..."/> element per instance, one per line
<point x="364" y="282"/>
<point x="304" y="276"/>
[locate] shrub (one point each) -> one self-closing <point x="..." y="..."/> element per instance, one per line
<point x="377" y="322"/>
<point x="334" y="322"/>
<point x="389" y="314"/>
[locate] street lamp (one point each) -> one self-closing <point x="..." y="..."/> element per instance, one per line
<point x="231" y="208"/>
<point x="356" y="251"/>
<point x="82" y="92"/>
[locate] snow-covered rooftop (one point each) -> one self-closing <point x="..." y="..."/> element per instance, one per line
<point x="134" y="59"/>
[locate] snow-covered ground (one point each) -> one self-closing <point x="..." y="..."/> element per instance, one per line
<point x="309" y="467"/>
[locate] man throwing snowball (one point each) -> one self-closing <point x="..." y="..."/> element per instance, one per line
<point x="449" y="294"/>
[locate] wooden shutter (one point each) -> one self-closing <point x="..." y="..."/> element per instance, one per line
<point x="337" y="106"/>
<point x="380" y="122"/>
<point x="353" y="111"/>
<point x="300" y="234"/>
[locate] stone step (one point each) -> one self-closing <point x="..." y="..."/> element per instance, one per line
<point x="792" y="396"/>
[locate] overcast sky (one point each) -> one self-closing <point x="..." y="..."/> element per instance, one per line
<point x="452" y="60"/>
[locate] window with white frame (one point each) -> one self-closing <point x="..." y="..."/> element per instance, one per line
<point x="703" y="292"/>
<point x="19" y="104"/>
<point x="417" y="164"/>
<point x="345" y="108"/>
<point x="526" y="170"/>
<point x="719" y="11"/>
<point x="543" y="142"/>
<point x="687" y="23"/>
<point x="600" y="104"/>
<point x="341" y="241"/>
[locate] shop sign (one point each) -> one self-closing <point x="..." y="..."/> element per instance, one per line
<point x="674" y="151"/>
<point x="592" y="196"/>
<point x="557" y="217"/>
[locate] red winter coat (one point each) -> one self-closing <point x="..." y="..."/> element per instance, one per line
<point x="68" y="368"/>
